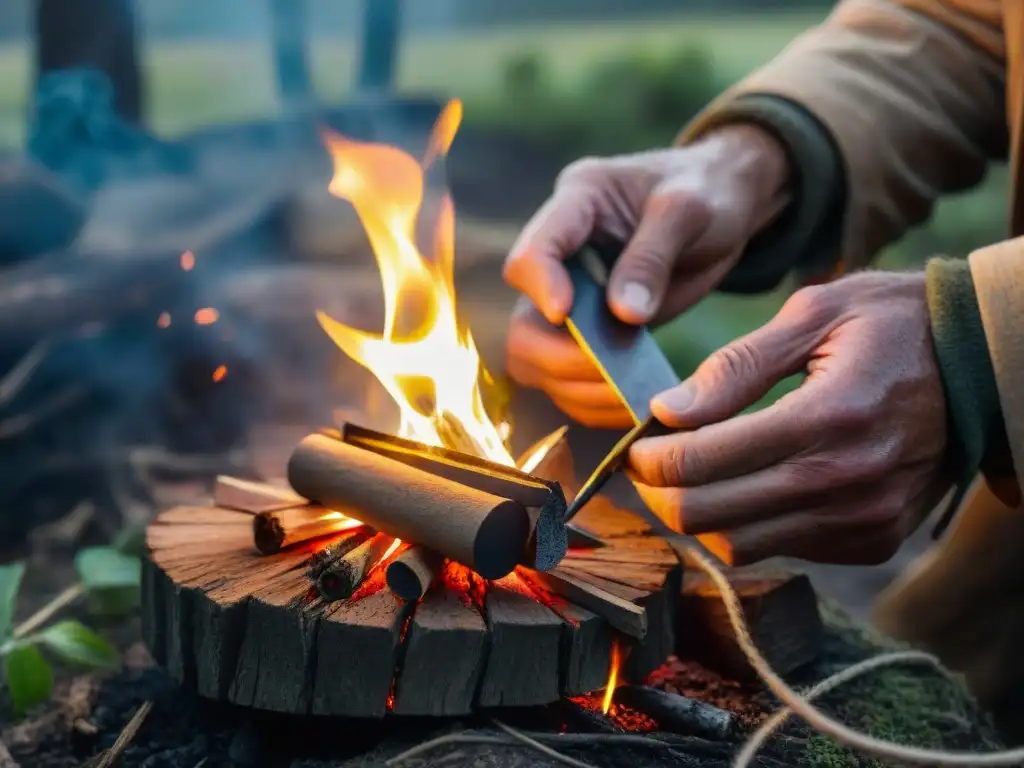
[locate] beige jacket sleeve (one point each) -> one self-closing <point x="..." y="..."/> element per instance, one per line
<point x="912" y="91"/>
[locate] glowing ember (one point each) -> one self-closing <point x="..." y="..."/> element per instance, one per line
<point x="206" y="316"/>
<point x="220" y="372"/>
<point x="613" y="677"/>
<point x="164" y="321"/>
<point x="423" y="358"/>
<point x="188" y="260"/>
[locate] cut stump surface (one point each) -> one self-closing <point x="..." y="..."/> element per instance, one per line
<point x="246" y="628"/>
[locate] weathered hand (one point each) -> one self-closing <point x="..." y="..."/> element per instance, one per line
<point x="685" y="214"/>
<point x="840" y="470"/>
<point x="545" y="357"/>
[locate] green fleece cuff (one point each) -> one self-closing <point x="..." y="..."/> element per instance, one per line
<point x="806" y="237"/>
<point x="972" y="399"/>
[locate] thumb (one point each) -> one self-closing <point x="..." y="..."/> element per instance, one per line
<point x="637" y="285"/>
<point x="736" y="376"/>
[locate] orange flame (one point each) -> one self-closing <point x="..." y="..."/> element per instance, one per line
<point x="424" y="359"/>
<point x="188" y="260"/>
<point x="164" y="321"/>
<point x="220" y="372"/>
<point x="613" y="677"/>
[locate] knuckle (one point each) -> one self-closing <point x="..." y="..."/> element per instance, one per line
<point x="584" y="170"/>
<point x="811" y="301"/>
<point x="737" y="360"/>
<point x="671" y="467"/>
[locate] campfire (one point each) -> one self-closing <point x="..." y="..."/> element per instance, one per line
<point x="422" y="571"/>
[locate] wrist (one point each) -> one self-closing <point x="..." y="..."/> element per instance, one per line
<point x="758" y="157"/>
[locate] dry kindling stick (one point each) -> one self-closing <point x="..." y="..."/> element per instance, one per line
<point x="410" y="574"/>
<point x="343" y="576"/>
<point x="815" y="718"/>
<point x="112" y="755"/>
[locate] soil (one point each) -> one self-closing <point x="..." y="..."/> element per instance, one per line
<point x="87" y="713"/>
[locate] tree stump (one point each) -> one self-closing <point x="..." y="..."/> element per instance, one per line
<point x="238" y="626"/>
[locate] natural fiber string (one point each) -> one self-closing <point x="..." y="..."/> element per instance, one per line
<point x="815" y="718"/>
<point x="773" y="723"/>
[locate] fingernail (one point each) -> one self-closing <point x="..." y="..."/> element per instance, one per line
<point x="678" y="399"/>
<point x="637" y="298"/>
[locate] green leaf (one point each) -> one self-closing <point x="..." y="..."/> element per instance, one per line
<point x="75" y="643"/>
<point x="107" y="568"/>
<point x="29" y="677"/>
<point x="10" y="581"/>
<point x="114" y="601"/>
<point x="131" y="541"/>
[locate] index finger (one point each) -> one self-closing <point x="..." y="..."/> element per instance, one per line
<point x="559" y="228"/>
<point x="725" y="450"/>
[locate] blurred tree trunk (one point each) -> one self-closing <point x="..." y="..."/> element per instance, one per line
<point x="92" y="33"/>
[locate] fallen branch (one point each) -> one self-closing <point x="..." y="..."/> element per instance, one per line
<point x="112" y="755"/>
<point x="48" y="611"/>
<point x="565" y="739"/>
<point x="544" y="750"/>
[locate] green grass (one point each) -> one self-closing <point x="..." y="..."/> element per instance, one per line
<point x="193" y="84"/>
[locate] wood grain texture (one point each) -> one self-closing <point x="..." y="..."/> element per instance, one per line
<point x="340" y="579"/>
<point x="480" y="530"/>
<point x="782" y="613"/>
<point x="621" y="613"/>
<point x="358" y="648"/>
<point x="251" y="496"/>
<point x="273" y="530"/>
<point x="524" y="654"/>
<point x="444" y="652"/>
<point x="246" y="628"/>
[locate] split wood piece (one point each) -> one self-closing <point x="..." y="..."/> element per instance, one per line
<point x="580" y="537"/>
<point x="605" y="518"/>
<point x="782" y="613"/>
<point x="555" y="462"/>
<point x="207" y="516"/>
<point x="477" y="529"/>
<point x="523" y="658"/>
<point x="461" y="468"/>
<point x="413" y="572"/>
<point x="358" y="650"/>
<point x="661" y="609"/>
<point x="678" y="714"/>
<point x="273" y="531"/>
<point x="544" y="501"/>
<point x="191" y="607"/>
<point x="577" y="588"/>
<point x="444" y="651"/>
<point x="558" y="466"/>
<point x="586" y="649"/>
<point x="345" y="543"/>
<point x="278" y="649"/>
<point x="251" y="496"/>
<point x="340" y="578"/>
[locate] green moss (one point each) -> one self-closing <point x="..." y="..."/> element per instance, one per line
<point x="914" y="705"/>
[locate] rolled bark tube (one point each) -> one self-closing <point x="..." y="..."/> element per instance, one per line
<point x="273" y="531"/>
<point x="484" y="532"/>
<point x="410" y="575"/>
